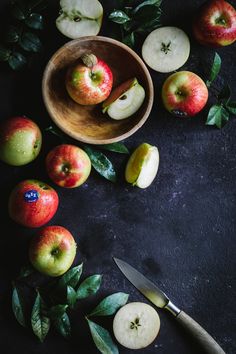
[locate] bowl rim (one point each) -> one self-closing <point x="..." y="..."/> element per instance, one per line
<point x="91" y="140"/>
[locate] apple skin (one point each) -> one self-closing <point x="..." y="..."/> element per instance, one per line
<point x="20" y="141"/>
<point x="32" y="203"/>
<point x="184" y="94"/>
<point x="215" y="24"/>
<point x="52" y="251"/>
<point x="89" y="85"/>
<point x="68" y="166"/>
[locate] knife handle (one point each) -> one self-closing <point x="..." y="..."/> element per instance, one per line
<point x="205" y="339"/>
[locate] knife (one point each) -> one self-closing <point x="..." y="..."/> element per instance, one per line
<point x="161" y="300"/>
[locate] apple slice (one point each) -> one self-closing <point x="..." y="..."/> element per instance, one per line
<point x="80" y="18"/>
<point x="124" y="100"/>
<point x="142" y="166"/>
<point x="166" y="49"/>
<point x="136" y="325"/>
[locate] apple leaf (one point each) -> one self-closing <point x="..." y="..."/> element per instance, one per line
<point x="89" y="286"/>
<point x="17" y="306"/>
<point x="35" y="21"/>
<point x="101" y="164"/>
<point x="119" y="16"/>
<point x="110" y="305"/>
<point x="218" y="116"/>
<point x="57" y="311"/>
<point x="39" y="320"/>
<point x="17" y="61"/>
<point x="115" y="147"/>
<point x="231" y="107"/>
<point x="20" y="10"/>
<point x="215" y="69"/>
<point x="156" y="3"/>
<point x="30" y="42"/>
<point x="4" y="54"/>
<point x="13" y="34"/>
<point x="71" y="296"/>
<point x="71" y="277"/>
<point x="102" y="339"/>
<point x="129" y="40"/>
<point x="61" y="320"/>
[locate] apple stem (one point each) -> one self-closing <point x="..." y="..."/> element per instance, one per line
<point x="90" y="60"/>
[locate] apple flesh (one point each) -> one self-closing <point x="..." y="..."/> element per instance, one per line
<point x="136" y="325"/>
<point x="52" y="251"/>
<point x="184" y="94"/>
<point x="142" y="166"/>
<point x="20" y="141"/>
<point x="79" y="18"/>
<point x="68" y="166"/>
<point x="89" y="82"/>
<point x="32" y="203"/>
<point x="125" y="100"/>
<point x="215" y="24"/>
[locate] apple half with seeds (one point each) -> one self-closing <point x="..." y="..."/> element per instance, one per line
<point x="142" y="166"/>
<point x="136" y="325"/>
<point x="80" y="18"/>
<point x="124" y="100"/>
<point x="166" y="49"/>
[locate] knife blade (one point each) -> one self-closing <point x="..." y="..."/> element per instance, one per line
<point x="161" y="300"/>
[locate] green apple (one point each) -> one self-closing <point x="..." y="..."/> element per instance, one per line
<point x="52" y="251"/>
<point x="124" y="100"/>
<point x="80" y="18"/>
<point x="142" y="166"/>
<point x="136" y="325"/>
<point x="20" y="141"/>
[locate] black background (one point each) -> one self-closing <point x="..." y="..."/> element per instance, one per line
<point x="180" y="231"/>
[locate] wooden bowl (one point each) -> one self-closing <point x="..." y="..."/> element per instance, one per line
<point x="88" y="123"/>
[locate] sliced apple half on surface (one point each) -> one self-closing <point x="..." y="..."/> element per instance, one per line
<point x="124" y="100"/>
<point x="80" y="18"/>
<point x="136" y="325"/>
<point x="142" y="166"/>
<point x="166" y="49"/>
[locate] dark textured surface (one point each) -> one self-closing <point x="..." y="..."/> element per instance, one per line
<point x="180" y="232"/>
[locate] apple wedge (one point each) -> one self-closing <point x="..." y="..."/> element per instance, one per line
<point x="136" y="325"/>
<point x="80" y="18"/>
<point x="124" y="100"/>
<point x="166" y="49"/>
<point x="142" y="166"/>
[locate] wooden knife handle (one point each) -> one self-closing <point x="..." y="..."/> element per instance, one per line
<point x="205" y="339"/>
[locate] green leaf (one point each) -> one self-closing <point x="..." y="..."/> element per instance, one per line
<point x="4" y="54"/>
<point x="71" y="277"/>
<point x="110" y="304"/>
<point x="101" y="164"/>
<point x="39" y="320"/>
<point x="63" y="326"/>
<point x="129" y="40"/>
<point x="225" y="94"/>
<point x="231" y="107"/>
<point x="35" y="21"/>
<point x="17" y="306"/>
<point x="12" y="34"/>
<point x="156" y="3"/>
<point x="17" y="61"/>
<point x="71" y="296"/>
<point x="115" y="147"/>
<point x="102" y="339"/>
<point x="20" y="10"/>
<point x="119" y="16"/>
<point x="30" y="42"/>
<point x="147" y="14"/>
<point x="218" y="116"/>
<point x="215" y="69"/>
<point x="89" y="286"/>
<point x="57" y="311"/>
<point x="149" y="26"/>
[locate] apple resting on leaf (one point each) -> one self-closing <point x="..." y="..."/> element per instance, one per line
<point x="68" y="165"/>
<point x="90" y="81"/>
<point x="124" y="100"/>
<point x="32" y="203"/>
<point x="136" y="325"/>
<point x="79" y="18"/>
<point x="184" y="94"/>
<point x="20" y="141"/>
<point x="52" y="251"/>
<point x="215" y="24"/>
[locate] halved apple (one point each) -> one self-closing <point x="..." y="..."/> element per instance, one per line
<point x="136" y="325"/>
<point x="142" y="166"/>
<point x="124" y="100"/>
<point x="80" y="18"/>
<point x="166" y="49"/>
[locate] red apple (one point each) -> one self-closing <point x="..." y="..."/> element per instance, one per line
<point x="184" y="94"/>
<point x="68" y="165"/>
<point x="215" y="24"/>
<point x="89" y="82"/>
<point x="32" y="203"/>
<point x="20" y="141"/>
<point x="52" y="251"/>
